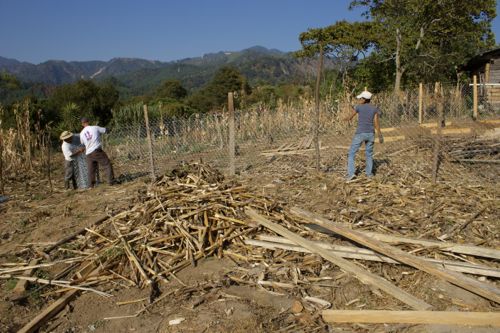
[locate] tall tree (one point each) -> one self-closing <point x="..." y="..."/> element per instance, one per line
<point x="171" y="89"/>
<point x="428" y="38"/>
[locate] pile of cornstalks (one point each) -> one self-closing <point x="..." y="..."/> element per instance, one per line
<point x="194" y="213"/>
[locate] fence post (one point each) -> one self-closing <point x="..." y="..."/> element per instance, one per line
<point x="150" y="144"/>
<point x="317" y="111"/>
<point x="475" y="97"/>
<point x="420" y="103"/>
<point x="438" y="93"/>
<point x="232" y="143"/>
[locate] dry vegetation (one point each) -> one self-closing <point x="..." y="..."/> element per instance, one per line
<point x="144" y="254"/>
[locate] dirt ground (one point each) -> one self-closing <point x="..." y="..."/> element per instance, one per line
<point x="36" y="216"/>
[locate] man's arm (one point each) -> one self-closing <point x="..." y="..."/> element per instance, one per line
<point x="102" y="130"/>
<point x="78" y="151"/>
<point x="376" y="123"/>
<point x="352" y="115"/>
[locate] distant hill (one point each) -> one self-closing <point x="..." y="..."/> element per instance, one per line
<point x="139" y="76"/>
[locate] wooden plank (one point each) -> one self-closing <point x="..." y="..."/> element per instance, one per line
<point x="352" y="252"/>
<point x="389" y="129"/>
<point x="451" y="131"/>
<point x="20" y="287"/>
<point x="394" y="138"/>
<point x="485" y="290"/>
<point x="431" y="125"/>
<point x="473" y="161"/>
<point x="412" y="317"/>
<point x="360" y="273"/>
<point x="290" y="152"/>
<point x="443" y="246"/>
<point x="53" y="309"/>
<point x="48" y="313"/>
<point x="491" y="121"/>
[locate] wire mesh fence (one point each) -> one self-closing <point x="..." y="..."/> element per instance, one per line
<point x="263" y="135"/>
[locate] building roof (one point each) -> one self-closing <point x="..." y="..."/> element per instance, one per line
<point x="481" y="59"/>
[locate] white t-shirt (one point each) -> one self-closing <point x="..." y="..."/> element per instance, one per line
<point x="67" y="150"/>
<point x="91" y="138"/>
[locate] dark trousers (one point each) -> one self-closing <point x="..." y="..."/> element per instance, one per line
<point x="69" y="174"/>
<point x="96" y="158"/>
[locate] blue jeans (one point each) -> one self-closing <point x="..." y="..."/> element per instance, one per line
<point x="357" y="141"/>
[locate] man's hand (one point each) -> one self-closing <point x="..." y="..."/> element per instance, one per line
<point x="380" y="138"/>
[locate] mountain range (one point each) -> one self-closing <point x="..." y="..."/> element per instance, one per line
<point x="258" y="64"/>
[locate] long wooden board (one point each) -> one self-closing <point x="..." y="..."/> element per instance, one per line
<point x="48" y="313"/>
<point x="360" y="273"/>
<point x="452" y="131"/>
<point x="485" y="290"/>
<point x="58" y="305"/>
<point x="472" y="250"/>
<point x="412" y="317"/>
<point x="351" y="252"/>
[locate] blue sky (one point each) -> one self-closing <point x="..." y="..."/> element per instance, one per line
<point x="39" y="30"/>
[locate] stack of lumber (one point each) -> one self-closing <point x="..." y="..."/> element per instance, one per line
<point x="475" y="151"/>
<point x="302" y="146"/>
<point x="194" y="213"/>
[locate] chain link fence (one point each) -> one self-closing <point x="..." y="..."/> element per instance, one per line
<point x="284" y="133"/>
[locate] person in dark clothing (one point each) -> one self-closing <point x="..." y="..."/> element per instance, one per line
<point x="368" y="122"/>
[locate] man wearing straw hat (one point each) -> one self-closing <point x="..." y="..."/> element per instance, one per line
<point x="68" y="150"/>
<point x="368" y="121"/>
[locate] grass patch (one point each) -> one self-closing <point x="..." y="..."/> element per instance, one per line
<point x="10" y="284"/>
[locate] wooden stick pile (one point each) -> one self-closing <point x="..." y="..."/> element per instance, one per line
<point x="193" y="213"/>
<point x="181" y="219"/>
<point x="477" y="151"/>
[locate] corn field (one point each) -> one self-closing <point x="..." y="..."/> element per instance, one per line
<point x="260" y="131"/>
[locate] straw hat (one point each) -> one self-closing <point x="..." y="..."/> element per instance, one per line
<point x="65" y="135"/>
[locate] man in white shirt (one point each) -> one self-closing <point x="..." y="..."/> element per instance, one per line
<point x="69" y="151"/>
<point x="91" y="138"/>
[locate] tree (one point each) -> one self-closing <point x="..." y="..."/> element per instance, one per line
<point x="214" y="94"/>
<point x="171" y="89"/>
<point x="83" y="98"/>
<point x="344" y="41"/>
<point x="428" y="39"/>
<point x="226" y="79"/>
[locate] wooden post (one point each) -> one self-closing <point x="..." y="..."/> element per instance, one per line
<point x="317" y="111"/>
<point x="487" y="73"/>
<point x="49" y="175"/>
<point x="232" y="143"/>
<point x="150" y="144"/>
<point x="420" y="103"/>
<point x="440" y="123"/>
<point x="475" y="97"/>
